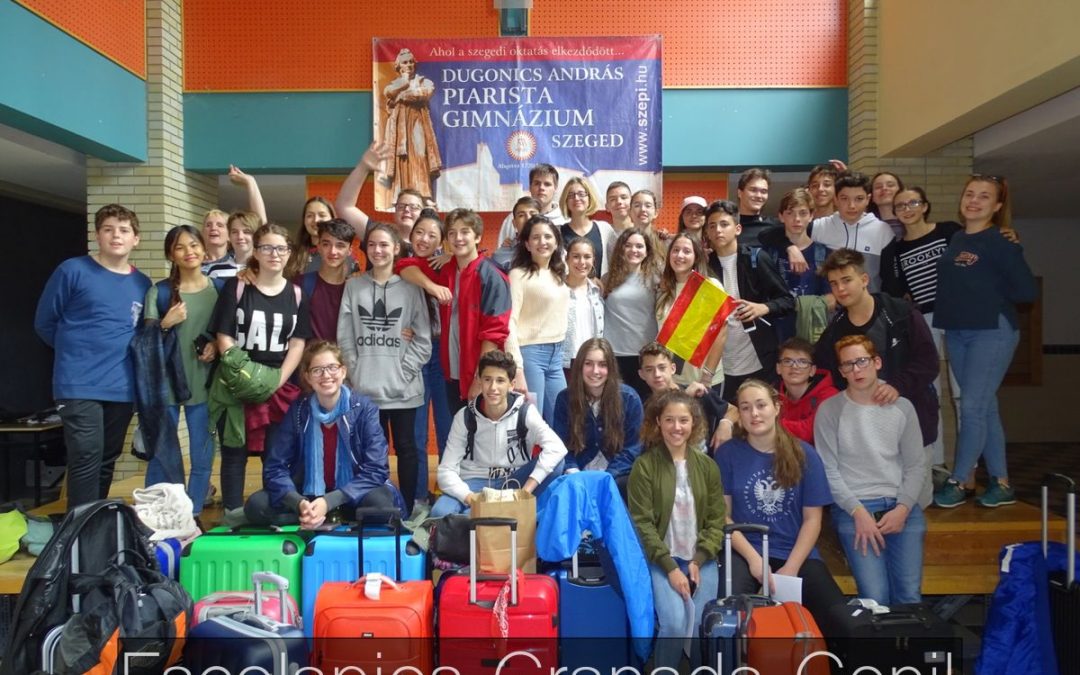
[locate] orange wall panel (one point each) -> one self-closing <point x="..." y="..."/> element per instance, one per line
<point x="114" y="28"/>
<point x="284" y="45"/>
<point x="736" y="43"/>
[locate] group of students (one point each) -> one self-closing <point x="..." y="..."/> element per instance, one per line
<point x="541" y="359"/>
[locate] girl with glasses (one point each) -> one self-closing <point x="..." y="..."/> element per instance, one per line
<point x="329" y="454"/>
<point x="269" y="321"/>
<point x="579" y="202"/>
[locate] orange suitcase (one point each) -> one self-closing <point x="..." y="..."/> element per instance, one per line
<point x="395" y="631"/>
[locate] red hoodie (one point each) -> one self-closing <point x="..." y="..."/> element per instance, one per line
<point x="798" y="416"/>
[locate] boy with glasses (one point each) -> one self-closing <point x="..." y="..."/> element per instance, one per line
<point x="879" y="476"/>
<point x="407" y="207"/>
<point x="897" y="330"/>
<point x="802" y="387"/>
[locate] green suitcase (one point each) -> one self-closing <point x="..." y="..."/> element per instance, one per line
<point x="224" y="559"/>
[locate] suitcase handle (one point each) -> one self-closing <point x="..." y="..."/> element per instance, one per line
<point x="386" y="581"/>
<point x="493" y="522"/>
<point x="259" y="580"/>
<point x="393" y="517"/>
<point x="732" y="528"/>
<point x="1070" y="521"/>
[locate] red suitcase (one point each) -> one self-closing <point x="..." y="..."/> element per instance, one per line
<point x="781" y="635"/>
<point x="476" y="639"/>
<point x="394" y="632"/>
<point x="228" y="603"/>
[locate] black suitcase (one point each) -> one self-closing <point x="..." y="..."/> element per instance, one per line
<point x="1064" y="590"/>
<point x="908" y="636"/>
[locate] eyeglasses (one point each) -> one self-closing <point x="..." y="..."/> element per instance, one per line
<point x="904" y="206"/>
<point x="319" y="371"/>
<point x="1000" y="180"/>
<point x="269" y="249"/>
<point x="411" y="208"/>
<point x="855" y="364"/>
<point x="577" y="195"/>
<point x="797" y="364"/>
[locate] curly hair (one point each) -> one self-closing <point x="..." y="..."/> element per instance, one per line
<point x="651" y="436"/>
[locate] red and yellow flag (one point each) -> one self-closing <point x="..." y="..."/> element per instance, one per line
<point x="695" y="319"/>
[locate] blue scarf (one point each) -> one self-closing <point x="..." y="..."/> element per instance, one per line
<point x="314" y="483"/>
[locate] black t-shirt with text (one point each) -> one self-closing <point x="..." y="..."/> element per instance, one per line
<point x="262" y="324"/>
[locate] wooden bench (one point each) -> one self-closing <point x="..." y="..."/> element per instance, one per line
<point x="960" y="556"/>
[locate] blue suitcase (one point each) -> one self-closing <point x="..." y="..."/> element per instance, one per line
<point x="335" y="556"/>
<point x="594" y="630"/>
<point x="245" y="641"/>
<point x="723" y="630"/>
<point x="168" y="557"/>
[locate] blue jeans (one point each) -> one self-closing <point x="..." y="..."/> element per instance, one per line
<point x="445" y="505"/>
<point x="169" y="469"/>
<point x="671" y="613"/>
<point x="544" y="375"/>
<point x="979" y="359"/>
<point x="435" y="394"/>
<point x="895" y="576"/>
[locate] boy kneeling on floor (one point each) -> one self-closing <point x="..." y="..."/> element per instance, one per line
<point x="491" y="442"/>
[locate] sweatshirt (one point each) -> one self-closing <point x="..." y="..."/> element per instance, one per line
<point x="868" y="236"/>
<point x="495" y="445"/>
<point x="88" y="314"/>
<point x="383" y="365"/>
<point x="798" y="416"/>
<point x="872" y="451"/>
<point x="981" y="276"/>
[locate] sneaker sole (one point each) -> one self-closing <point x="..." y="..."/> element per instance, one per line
<point x="949" y="506"/>
<point x="997" y="504"/>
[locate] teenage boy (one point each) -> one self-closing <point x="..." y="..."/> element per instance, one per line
<point x="543" y="186"/>
<point x="752" y="193"/>
<point x="656" y="366"/>
<point x="524" y="208"/>
<point x="751" y="277"/>
<point x="822" y="186"/>
<point x="802" y="387"/>
<point x="474" y="310"/>
<point x="219" y="260"/>
<point x="617" y="202"/>
<point x="852" y="226"/>
<point x="407" y="207"/>
<point x="88" y="313"/>
<point x="325" y="286"/>
<point x="490" y="445"/>
<point x="879" y="475"/>
<point x="898" y="331"/>
<point x="795" y="214"/>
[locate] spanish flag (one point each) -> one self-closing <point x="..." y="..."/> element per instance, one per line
<point x="695" y="319"/>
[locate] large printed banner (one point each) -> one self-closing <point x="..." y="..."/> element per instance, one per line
<point x="467" y="118"/>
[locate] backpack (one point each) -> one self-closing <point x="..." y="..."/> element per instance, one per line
<point x="164" y="295"/>
<point x="132" y="620"/>
<point x="90" y="536"/>
<point x="522" y="432"/>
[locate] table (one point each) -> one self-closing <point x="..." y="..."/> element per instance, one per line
<point x="13" y="436"/>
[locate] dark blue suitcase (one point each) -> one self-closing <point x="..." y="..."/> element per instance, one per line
<point x="245" y="641"/>
<point x="594" y="630"/>
<point x="168" y="557"/>
<point x="723" y="630"/>
<point x="335" y="556"/>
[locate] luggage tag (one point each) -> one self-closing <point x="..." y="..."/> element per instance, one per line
<point x="373" y="586"/>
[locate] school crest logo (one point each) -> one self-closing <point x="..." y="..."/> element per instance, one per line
<point x="765" y="494"/>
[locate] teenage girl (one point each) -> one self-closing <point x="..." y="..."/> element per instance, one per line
<point x="630" y="303"/>
<point x="189" y="296"/>
<point x="585" y="312"/>
<point x="539" y="299"/>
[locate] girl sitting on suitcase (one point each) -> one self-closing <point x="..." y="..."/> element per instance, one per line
<point x="329" y="452"/>
<point x="677" y="507"/>
<point x="598" y="416"/>
<point x="772" y="478"/>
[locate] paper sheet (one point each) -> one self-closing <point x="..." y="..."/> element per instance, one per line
<point x="786" y="588"/>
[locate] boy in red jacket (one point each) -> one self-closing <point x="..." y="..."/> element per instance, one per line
<point x="802" y="387"/>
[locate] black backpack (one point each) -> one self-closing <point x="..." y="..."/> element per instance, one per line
<point x="89" y="538"/>
<point x="522" y="432"/>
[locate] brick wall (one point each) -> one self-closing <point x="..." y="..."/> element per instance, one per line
<point x="159" y="191"/>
